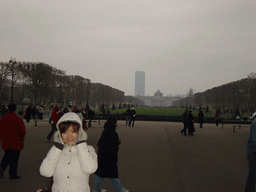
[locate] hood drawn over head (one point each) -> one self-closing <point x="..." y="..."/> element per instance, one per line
<point x="72" y="117"/>
<point x="56" y="108"/>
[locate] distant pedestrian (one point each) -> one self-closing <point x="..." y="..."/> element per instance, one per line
<point x="12" y="134"/>
<point x="55" y="116"/>
<point x="41" y="112"/>
<point x="133" y="113"/>
<point x="81" y="115"/>
<point x="217" y="118"/>
<point x="191" y="128"/>
<point x="28" y="113"/>
<point x="78" y="112"/>
<point x="251" y="156"/>
<point x="3" y="110"/>
<point x="185" y="122"/>
<point x="201" y="118"/>
<point x="34" y="112"/>
<point x="85" y="127"/>
<point x="128" y="114"/>
<point x="65" y="110"/>
<point x="90" y="117"/>
<point x="123" y="116"/>
<point x="107" y="157"/>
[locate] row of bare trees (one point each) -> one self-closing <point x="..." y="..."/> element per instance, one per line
<point x="44" y="84"/>
<point x="232" y="96"/>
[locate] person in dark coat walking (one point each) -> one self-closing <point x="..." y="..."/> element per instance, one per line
<point x="185" y="122"/>
<point x="217" y="118"/>
<point x="28" y="113"/>
<point x="132" y="118"/>
<point x="191" y="121"/>
<point x="128" y="114"/>
<point x="107" y="157"/>
<point x="201" y="118"/>
<point x="34" y="112"/>
<point x="3" y="111"/>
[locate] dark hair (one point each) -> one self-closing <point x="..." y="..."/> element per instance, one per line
<point x="65" y="109"/>
<point x="12" y="107"/>
<point x="111" y="121"/>
<point x="65" y="125"/>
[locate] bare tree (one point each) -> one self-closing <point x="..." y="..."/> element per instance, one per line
<point x="251" y="92"/>
<point x="38" y="76"/>
<point x="190" y="97"/>
<point x="4" y="72"/>
<point x="77" y="89"/>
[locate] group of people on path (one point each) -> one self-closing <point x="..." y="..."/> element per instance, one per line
<point x="70" y="161"/>
<point x="130" y="116"/>
<point x="56" y="114"/>
<point x="188" y="122"/>
<point x="34" y="112"/>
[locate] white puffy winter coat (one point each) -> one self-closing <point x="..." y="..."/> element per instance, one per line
<point x="72" y="166"/>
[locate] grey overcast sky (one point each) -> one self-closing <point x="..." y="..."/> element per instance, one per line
<point x="178" y="43"/>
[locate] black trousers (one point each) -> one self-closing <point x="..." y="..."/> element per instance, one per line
<point x="11" y="158"/>
<point x="185" y="128"/>
<point x="52" y="131"/>
<point x="132" y="120"/>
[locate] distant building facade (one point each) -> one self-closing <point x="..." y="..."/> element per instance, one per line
<point x="134" y="101"/>
<point x="158" y="100"/>
<point x="139" y="83"/>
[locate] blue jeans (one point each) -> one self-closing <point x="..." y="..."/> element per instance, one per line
<point x="128" y="119"/>
<point x="117" y="184"/>
<point x="250" y="183"/>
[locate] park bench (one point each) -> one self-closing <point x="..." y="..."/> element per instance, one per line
<point x="98" y="117"/>
<point x="239" y="125"/>
<point x="238" y="122"/>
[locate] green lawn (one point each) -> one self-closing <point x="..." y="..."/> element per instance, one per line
<point x="165" y="112"/>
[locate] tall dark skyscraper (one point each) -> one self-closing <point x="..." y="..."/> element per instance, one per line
<point x="139" y="83"/>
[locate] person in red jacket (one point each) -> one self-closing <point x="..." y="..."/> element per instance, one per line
<point x="55" y="116"/>
<point x="12" y="134"/>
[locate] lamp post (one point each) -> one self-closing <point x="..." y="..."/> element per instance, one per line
<point x="12" y="63"/>
<point x="88" y="92"/>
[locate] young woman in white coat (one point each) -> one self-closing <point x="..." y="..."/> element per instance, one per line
<point x="70" y="160"/>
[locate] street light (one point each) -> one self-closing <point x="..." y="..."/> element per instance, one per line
<point x="88" y="91"/>
<point x="12" y="62"/>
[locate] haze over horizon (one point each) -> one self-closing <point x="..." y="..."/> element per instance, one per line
<point x="179" y="44"/>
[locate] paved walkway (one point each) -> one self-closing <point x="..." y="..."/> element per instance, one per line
<point x="153" y="156"/>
